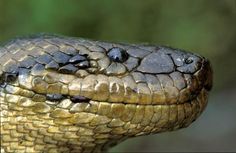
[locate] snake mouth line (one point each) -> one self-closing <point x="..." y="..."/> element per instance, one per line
<point x="194" y="99"/>
<point x="183" y="113"/>
<point x="58" y="98"/>
<point x="191" y="100"/>
<point x="92" y="106"/>
<point x="173" y="116"/>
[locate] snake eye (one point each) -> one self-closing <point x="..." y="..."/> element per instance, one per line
<point x="118" y="55"/>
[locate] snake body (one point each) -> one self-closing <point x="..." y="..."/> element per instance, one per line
<point x="63" y="94"/>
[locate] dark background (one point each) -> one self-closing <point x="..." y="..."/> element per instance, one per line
<point x="207" y="27"/>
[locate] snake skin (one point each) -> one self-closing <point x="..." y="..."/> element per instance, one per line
<point x="62" y="94"/>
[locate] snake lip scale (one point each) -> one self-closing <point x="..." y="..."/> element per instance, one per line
<point x="65" y="94"/>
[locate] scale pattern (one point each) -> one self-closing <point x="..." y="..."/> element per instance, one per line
<point x="61" y="94"/>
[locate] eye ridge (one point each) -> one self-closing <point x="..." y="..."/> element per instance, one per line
<point x="117" y="54"/>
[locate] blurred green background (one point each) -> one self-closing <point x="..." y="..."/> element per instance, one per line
<point x="207" y="27"/>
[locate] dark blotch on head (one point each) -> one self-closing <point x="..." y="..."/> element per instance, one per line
<point x="118" y="55"/>
<point x="8" y="77"/>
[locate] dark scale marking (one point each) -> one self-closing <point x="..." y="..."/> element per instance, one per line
<point x="2" y="80"/>
<point x="28" y="62"/>
<point x="79" y="99"/>
<point x="10" y="72"/>
<point x="77" y="59"/>
<point x="60" y="57"/>
<point x="44" y="59"/>
<point x="84" y="64"/>
<point x="54" y="97"/>
<point x="52" y="65"/>
<point x="37" y="69"/>
<point x="8" y="77"/>
<point x="68" y="69"/>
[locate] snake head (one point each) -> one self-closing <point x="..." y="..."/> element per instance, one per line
<point x="88" y="95"/>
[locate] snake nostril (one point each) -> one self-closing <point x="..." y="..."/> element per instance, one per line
<point x="188" y="60"/>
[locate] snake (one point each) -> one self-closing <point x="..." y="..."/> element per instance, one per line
<point x="68" y="94"/>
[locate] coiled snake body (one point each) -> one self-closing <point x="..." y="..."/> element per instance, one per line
<point x="62" y="94"/>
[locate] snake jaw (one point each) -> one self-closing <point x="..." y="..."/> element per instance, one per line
<point x="83" y="95"/>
